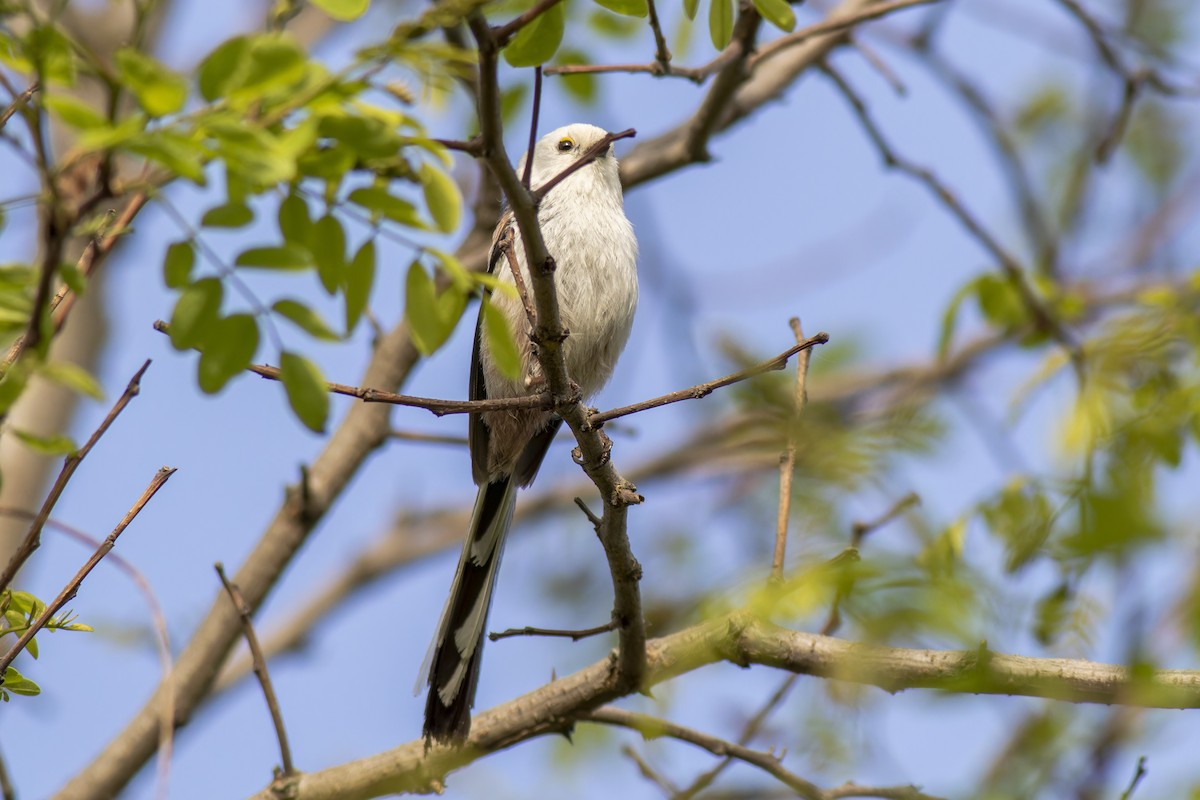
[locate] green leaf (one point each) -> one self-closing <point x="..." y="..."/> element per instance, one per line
<point x="228" y="349"/>
<point x="32" y="648"/>
<point x="777" y="12"/>
<point x="343" y="10"/>
<point x="285" y="257"/>
<point x="26" y="604"/>
<point x="442" y="197"/>
<point x="17" y="683"/>
<point x="329" y="251"/>
<point x="306" y="391"/>
<point x="538" y="41"/>
<point x="500" y="339"/>
<point x="178" y="264"/>
<point x="306" y="318"/>
<point x="368" y="137"/>
<point x="53" y="445"/>
<point x="74" y="112"/>
<point x="294" y="221"/>
<point x="229" y="215"/>
<point x="359" y="278"/>
<point x="379" y="201"/>
<point x="72" y="376"/>
<point x="195" y="313"/>
<point x="218" y="72"/>
<point x="999" y="301"/>
<point x="581" y="87"/>
<point x="630" y="8"/>
<point x="159" y="90"/>
<point x="183" y="155"/>
<point x="720" y="22"/>
<point x="431" y="317"/>
<point x="690" y="7"/>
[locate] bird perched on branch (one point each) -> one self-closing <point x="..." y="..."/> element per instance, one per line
<point x="587" y="234"/>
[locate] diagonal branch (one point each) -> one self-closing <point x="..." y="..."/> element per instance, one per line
<point x="33" y="538"/>
<point x="72" y="588"/>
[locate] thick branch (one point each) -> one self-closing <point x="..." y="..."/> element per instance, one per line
<point x="741" y="640"/>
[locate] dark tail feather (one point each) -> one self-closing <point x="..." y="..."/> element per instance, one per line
<point x="458" y="648"/>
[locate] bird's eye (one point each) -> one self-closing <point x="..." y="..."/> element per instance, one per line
<point x="565" y="144"/>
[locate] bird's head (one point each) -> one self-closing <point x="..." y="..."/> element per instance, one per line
<point x="561" y="148"/>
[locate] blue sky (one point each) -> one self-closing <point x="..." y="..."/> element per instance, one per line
<point x="794" y="217"/>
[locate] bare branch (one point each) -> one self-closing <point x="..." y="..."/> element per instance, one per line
<point x="573" y="635"/>
<point x="787" y="462"/>
<point x="1139" y="772"/>
<point x="72" y="588"/>
<point x="704" y="389"/>
<point x="33" y="538"/>
<point x="740" y="639"/>
<point x="260" y="669"/>
<point x="18" y="102"/>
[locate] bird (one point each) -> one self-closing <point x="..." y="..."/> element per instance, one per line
<point x="586" y="232"/>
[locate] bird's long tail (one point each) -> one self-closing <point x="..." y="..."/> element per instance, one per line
<point x="458" y="648"/>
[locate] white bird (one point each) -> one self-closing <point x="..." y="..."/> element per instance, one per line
<point x="587" y="233"/>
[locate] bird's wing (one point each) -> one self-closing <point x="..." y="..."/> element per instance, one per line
<point x="477" y="431"/>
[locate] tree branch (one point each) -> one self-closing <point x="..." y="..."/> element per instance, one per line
<point x="72" y="588"/>
<point x="741" y="640"/>
<point x="33" y="538"/>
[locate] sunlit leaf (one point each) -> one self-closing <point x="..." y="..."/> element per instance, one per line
<point x="501" y="343"/>
<point x="159" y="90"/>
<point x="329" y="251"/>
<point x="442" y="197"/>
<point x="285" y="257"/>
<point x="51" y="445"/>
<point x="178" y="264"/>
<point x="195" y="313"/>
<point x="72" y="376"/>
<point x="538" y="41"/>
<point x="777" y="12"/>
<point x="305" y="318"/>
<point x="359" y="278"/>
<point x="630" y="8"/>
<point x="229" y="347"/>
<point x="306" y="391"/>
<point x="343" y="10"/>
<point x="720" y="22"/>
<point x="228" y="215"/>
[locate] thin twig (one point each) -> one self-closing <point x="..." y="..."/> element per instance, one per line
<point x="33" y="537"/>
<point x="592" y="153"/>
<point x="662" y="56"/>
<point x="1139" y="772"/>
<point x="1042" y="316"/>
<point x="533" y="126"/>
<point x="427" y="438"/>
<point x="472" y="147"/>
<point x="7" y="790"/>
<point x="648" y="772"/>
<point x="260" y="669"/>
<point x="504" y="33"/>
<point x="72" y="588"/>
<point x="705" y="389"/>
<point x="18" y="102"/>
<point x="573" y="635"/>
<point x="161" y="636"/>
<point x="862" y="530"/>
<point x="787" y="461"/>
<point x="506" y="244"/>
<point x="832" y="25"/>
<point x="653" y="727"/>
<point x="587" y="512"/>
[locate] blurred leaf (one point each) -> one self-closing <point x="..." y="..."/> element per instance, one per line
<point x="178" y="264"/>
<point x="306" y="318"/>
<point x="999" y="301"/>
<point x="52" y="445"/>
<point x="360" y="277"/>
<point x="159" y="90"/>
<point x="379" y="201"/>
<point x="229" y="215"/>
<point x="329" y="251"/>
<point x="285" y="257"/>
<point x="777" y="12"/>
<point x="629" y="8"/>
<point x="251" y="67"/>
<point x="1045" y="107"/>
<point x="511" y="101"/>
<point x="306" y="391"/>
<point x="580" y="87"/>
<point x="228" y="349"/>
<point x="442" y="198"/>
<point x="74" y="112"/>
<point x="538" y="41"/>
<point x="295" y="224"/>
<point x="72" y="376"/>
<point x="690" y="7"/>
<point x="343" y="10"/>
<point x="431" y="318"/>
<point x="501" y="342"/>
<point x="216" y="72"/>
<point x="720" y="22"/>
<point x="195" y="312"/>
